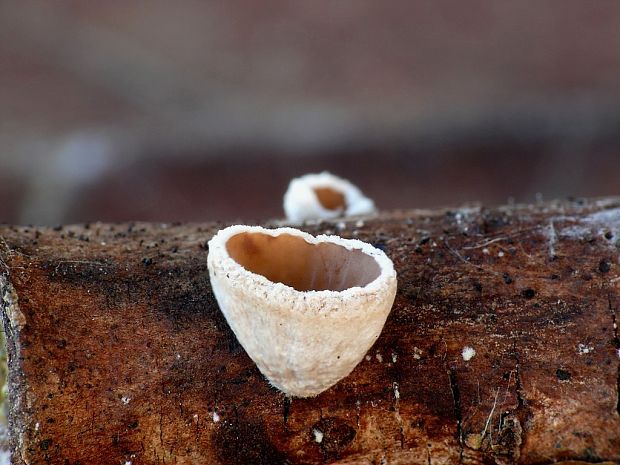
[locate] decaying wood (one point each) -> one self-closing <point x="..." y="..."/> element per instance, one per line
<point x="118" y="352"/>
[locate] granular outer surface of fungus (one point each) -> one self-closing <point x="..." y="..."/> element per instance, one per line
<point x="306" y="309"/>
<point x="324" y="196"/>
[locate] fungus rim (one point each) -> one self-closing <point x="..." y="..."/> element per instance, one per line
<point x="218" y="243"/>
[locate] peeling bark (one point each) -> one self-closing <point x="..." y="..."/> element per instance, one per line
<point x="118" y="352"/>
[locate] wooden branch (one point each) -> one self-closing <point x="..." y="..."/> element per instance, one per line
<point x="502" y="347"/>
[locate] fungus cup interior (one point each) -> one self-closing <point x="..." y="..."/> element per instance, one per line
<point x="303" y="266"/>
<point x="330" y="199"/>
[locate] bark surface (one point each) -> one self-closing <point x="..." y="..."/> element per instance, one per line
<point x="502" y="347"/>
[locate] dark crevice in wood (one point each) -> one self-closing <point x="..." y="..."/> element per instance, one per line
<point x="519" y="388"/>
<point x="161" y="427"/>
<point x="458" y="414"/>
<point x="396" y="407"/>
<point x="616" y="343"/>
<point x="579" y="460"/>
<point x="612" y="312"/>
<point x="618" y="391"/>
<point x="4" y="248"/>
<point x="521" y="413"/>
<point x="286" y="410"/>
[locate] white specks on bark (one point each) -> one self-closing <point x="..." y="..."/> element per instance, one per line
<point x="468" y="353"/>
<point x="584" y="349"/>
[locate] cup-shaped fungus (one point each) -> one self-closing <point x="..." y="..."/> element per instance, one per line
<point x="306" y="309"/>
<point x="324" y="196"/>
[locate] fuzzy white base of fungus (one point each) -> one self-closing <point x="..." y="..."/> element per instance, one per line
<point x="303" y="341"/>
<point x="301" y="202"/>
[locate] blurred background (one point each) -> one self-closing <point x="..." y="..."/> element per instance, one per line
<point x="196" y="110"/>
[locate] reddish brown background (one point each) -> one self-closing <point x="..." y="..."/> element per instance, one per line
<point x="204" y="110"/>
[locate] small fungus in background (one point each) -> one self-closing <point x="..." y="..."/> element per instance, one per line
<point x="324" y="196"/>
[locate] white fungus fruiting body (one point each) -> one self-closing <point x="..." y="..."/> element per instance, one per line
<point x="324" y="196"/>
<point x="306" y="309"/>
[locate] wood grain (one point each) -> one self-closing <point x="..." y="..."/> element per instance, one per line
<point x="118" y="352"/>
